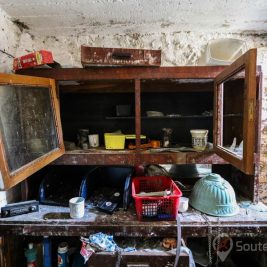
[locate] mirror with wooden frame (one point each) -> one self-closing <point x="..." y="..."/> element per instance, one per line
<point x="235" y="112"/>
<point x="30" y="127"/>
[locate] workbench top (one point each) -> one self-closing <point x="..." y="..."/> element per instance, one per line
<point x="51" y="220"/>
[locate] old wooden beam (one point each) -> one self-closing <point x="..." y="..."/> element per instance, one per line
<point x="101" y="73"/>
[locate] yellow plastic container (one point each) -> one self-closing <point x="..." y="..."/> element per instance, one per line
<point x="114" y="141"/>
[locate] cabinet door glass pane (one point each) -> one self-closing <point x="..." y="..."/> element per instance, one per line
<point x="27" y="124"/>
<point x="232" y="116"/>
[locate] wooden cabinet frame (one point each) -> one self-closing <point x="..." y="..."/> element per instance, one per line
<point x="195" y="226"/>
<point x="11" y="178"/>
<point x="248" y="63"/>
<point x="217" y="73"/>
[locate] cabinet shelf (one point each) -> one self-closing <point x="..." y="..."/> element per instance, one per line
<point x="170" y="117"/>
<point x="134" y="157"/>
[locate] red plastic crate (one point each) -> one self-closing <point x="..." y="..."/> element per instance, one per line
<point x="155" y="208"/>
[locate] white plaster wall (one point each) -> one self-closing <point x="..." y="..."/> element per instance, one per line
<point x="178" y="48"/>
<point x="68" y="17"/>
<point x="9" y="41"/>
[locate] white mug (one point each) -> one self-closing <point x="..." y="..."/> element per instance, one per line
<point x="76" y="207"/>
<point x="93" y="140"/>
<point x="183" y="204"/>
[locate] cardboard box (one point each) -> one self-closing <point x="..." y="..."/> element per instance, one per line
<point x="33" y="59"/>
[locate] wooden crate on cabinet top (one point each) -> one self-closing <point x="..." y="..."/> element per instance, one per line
<point x="93" y="56"/>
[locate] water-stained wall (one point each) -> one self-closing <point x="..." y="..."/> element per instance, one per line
<point x="179" y="48"/>
<point x="9" y="36"/>
<point x="9" y="42"/>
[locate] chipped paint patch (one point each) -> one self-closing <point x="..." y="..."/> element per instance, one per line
<point x="178" y="48"/>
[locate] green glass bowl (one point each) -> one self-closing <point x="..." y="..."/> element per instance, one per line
<point x="213" y="195"/>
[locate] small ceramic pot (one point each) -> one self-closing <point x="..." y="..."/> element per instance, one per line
<point x="199" y="139"/>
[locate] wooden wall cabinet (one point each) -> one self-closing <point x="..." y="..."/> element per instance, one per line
<point x="232" y="93"/>
<point x="139" y="82"/>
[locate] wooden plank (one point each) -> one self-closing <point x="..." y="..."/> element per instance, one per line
<point x="95" y="159"/>
<point x="152" y="259"/>
<point x="200" y="230"/>
<point x="262" y="60"/>
<point x="100" y="73"/>
<point x="250" y="112"/>
<point x="3" y="255"/>
<point x="12" y="250"/>
<point x="204" y="158"/>
<point x="23" y="80"/>
<point x="137" y="112"/>
<point x="161" y="158"/>
<point x="125" y="86"/>
<point x="55" y="221"/>
<point x="132" y="157"/>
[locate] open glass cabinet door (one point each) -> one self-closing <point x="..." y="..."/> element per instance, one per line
<point x="235" y="107"/>
<point x="30" y="127"/>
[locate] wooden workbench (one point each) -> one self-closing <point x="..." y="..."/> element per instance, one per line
<point x="55" y="221"/>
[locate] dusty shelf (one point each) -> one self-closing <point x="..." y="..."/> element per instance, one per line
<point x="102" y="156"/>
<point x="169" y="117"/>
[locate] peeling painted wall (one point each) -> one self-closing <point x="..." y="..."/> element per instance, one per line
<point x="9" y="41"/>
<point x="178" y="48"/>
<point x="9" y="36"/>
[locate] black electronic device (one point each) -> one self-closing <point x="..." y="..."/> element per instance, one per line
<point x="19" y="208"/>
<point x="110" y="203"/>
<point x="108" y="206"/>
